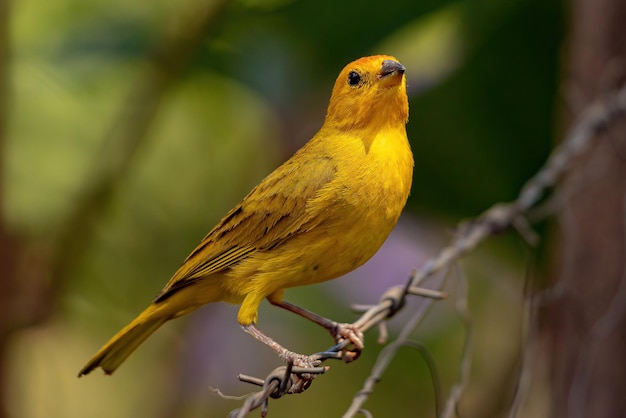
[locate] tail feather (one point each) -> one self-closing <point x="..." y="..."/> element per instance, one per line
<point x="123" y="344"/>
<point x="175" y="304"/>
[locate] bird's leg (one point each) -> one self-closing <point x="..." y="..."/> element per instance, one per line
<point x="339" y="331"/>
<point x="299" y="360"/>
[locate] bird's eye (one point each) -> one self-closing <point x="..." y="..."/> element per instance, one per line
<point x="354" y="79"/>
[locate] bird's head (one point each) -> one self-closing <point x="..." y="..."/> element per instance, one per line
<point x="369" y="92"/>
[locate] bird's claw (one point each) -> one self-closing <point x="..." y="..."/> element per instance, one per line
<point x="351" y="333"/>
<point x="299" y="360"/>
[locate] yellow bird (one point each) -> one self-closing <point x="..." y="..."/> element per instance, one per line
<point x="321" y="214"/>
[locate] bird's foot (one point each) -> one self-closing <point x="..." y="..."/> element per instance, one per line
<point x="348" y="332"/>
<point x="299" y="361"/>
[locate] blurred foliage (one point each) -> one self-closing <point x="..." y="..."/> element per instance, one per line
<point x="483" y="79"/>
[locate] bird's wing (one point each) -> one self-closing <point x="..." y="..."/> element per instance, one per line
<point x="272" y="212"/>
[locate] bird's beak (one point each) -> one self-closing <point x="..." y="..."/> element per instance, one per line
<point x="390" y="67"/>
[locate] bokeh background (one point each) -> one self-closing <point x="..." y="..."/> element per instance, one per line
<point x="130" y="128"/>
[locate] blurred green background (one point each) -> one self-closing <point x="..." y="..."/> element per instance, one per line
<point x="123" y="149"/>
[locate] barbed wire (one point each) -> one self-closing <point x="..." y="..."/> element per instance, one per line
<point x="469" y="234"/>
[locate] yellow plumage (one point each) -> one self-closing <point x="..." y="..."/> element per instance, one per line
<point x="321" y="214"/>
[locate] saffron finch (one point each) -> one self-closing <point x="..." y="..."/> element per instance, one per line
<point x="321" y="214"/>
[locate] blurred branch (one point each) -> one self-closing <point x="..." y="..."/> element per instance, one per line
<point x="128" y="131"/>
<point x="582" y="319"/>
<point x="31" y="273"/>
<point x="9" y="281"/>
<point x="598" y="333"/>
<point x="500" y="217"/>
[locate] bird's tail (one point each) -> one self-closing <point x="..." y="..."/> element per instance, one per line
<point x="122" y="345"/>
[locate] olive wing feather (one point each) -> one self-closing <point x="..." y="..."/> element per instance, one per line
<point x="272" y="212"/>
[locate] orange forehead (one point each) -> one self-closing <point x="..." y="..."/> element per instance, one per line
<point x="374" y="60"/>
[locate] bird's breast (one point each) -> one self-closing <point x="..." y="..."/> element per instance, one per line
<point x="372" y="187"/>
<point x="378" y="178"/>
